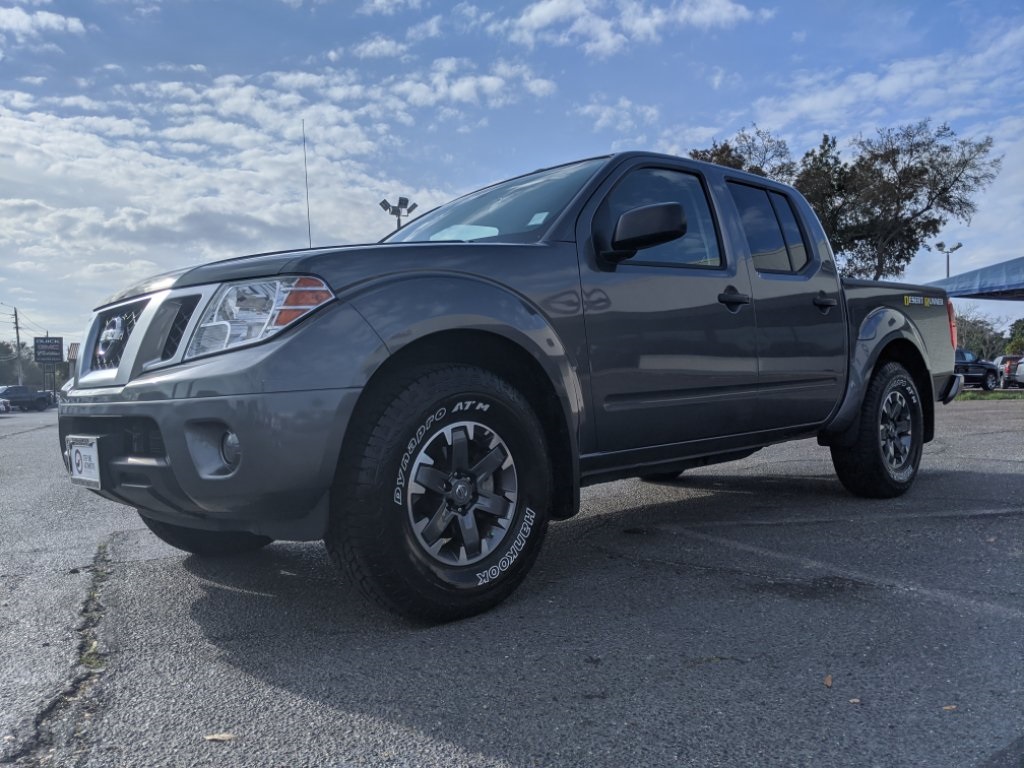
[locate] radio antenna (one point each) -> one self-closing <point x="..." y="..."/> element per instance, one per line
<point x="305" y="168"/>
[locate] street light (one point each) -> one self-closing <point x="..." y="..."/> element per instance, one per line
<point x="942" y="247"/>
<point x="403" y="208"/>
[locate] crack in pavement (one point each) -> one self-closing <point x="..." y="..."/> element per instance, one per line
<point x="89" y="665"/>
<point x="26" y="431"/>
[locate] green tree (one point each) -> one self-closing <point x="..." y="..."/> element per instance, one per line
<point x="880" y="207"/>
<point x="754" y="150"/>
<point x="978" y="333"/>
<point x="825" y="180"/>
<point x="1015" y="345"/>
<point x="906" y="183"/>
<point x="32" y="373"/>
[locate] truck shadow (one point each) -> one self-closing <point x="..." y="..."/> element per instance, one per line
<point x="611" y="653"/>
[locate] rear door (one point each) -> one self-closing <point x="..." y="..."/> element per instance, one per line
<point x="670" y="331"/>
<point x="801" y="323"/>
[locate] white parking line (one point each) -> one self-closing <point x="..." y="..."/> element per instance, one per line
<point x="940" y="595"/>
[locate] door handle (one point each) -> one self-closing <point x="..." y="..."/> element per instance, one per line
<point x="733" y="298"/>
<point x="825" y="302"/>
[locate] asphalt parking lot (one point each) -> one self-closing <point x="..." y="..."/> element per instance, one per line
<point x="750" y="614"/>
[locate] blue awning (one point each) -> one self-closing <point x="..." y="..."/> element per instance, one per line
<point x="998" y="281"/>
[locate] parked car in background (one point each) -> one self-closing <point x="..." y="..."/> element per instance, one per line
<point x="24" y="397"/>
<point x="5" y="406"/>
<point x="1019" y="373"/>
<point x="976" y="371"/>
<point x="1006" y="370"/>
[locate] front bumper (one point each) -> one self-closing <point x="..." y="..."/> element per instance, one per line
<point x="161" y="419"/>
<point x="165" y="459"/>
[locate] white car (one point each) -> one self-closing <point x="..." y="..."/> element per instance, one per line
<point x="5" y="406"/>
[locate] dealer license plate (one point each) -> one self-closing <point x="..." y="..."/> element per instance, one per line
<point x="84" y="460"/>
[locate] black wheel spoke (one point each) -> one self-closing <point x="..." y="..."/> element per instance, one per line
<point x="460" y="449"/>
<point x="492" y="504"/>
<point x="430" y="478"/>
<point x="489" y="464"/>
<point x="437" y="525"/>
<point x="470" y="535"/>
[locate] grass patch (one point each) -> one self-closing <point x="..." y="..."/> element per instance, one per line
<point x="1000" y="394"/>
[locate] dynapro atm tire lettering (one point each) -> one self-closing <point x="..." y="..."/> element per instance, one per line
<point x="506" y="562"/>
<point x="410" y="449"/>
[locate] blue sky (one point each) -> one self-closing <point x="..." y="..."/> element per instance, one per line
<point x="138" y="136"/>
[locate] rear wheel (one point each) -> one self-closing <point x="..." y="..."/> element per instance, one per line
<point x="442" y="498"/>
<point x="205" y="543"/>
<point x="883" y="461"/>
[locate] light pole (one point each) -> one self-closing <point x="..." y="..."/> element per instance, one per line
<point x="403" y="208"/>
<point x="942" y="247"/>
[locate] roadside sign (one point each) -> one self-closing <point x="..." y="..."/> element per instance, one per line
<point x="49" y="349"/>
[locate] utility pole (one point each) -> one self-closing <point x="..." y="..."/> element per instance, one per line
<point x="17" y="341"/>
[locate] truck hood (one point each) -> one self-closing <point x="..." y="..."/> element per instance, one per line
<point x="341" y="266"/>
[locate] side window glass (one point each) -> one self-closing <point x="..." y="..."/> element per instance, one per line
<point x="761" y="227"/>
<point x="790" y="231"/>
<point x="648" y="186"/>
<point x="773" y="234"/>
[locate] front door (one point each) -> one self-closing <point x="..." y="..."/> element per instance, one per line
<point x="670" y="331"/>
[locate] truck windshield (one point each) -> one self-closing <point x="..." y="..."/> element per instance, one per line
<point x="517" y="210"/>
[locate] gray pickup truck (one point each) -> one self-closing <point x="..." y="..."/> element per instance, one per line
<point x="426" y="405"/>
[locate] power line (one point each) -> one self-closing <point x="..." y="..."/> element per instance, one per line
<point x="37" y="326"/>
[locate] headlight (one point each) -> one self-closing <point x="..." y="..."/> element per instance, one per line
<point x="245" y="313"/>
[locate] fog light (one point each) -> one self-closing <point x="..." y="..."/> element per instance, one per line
<point x="231" y="449"/>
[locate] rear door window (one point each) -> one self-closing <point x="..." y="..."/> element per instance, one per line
<point x="773" y="234"/>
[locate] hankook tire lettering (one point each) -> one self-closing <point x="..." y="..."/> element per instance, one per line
<point x="485" y="577"/>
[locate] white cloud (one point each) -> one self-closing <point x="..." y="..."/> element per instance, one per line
<point x="602" y="29"/>
<point x="388" y="7"/>
<point x="121" y="177"/>
<point x="26" y="25"/>
<point x="915" y="86"/>
<point x="623" y="116"/>
<point x="430" y="28"/>
<point x="379" y="47"/>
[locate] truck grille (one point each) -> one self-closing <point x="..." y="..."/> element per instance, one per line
<point x="186" y="307"/>
<point x="115" y="328"/>
<point x="132" y="436"/>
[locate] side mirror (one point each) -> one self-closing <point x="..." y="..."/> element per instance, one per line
<point x="646" y="227"/>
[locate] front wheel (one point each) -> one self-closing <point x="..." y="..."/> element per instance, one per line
<point x="443" y="494"/>
<point x="989" y="382"/>
<point x="205" y="543"/>
<point x="883" y="461"/>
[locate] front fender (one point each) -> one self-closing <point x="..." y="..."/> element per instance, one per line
<point x="416" y="307"/>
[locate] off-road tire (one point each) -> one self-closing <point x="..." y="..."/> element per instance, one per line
<point x="205" y="543"/>
<point x="883" y="461"/>
<point x="424" y="519"/>
<point x="989" y="382"/>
